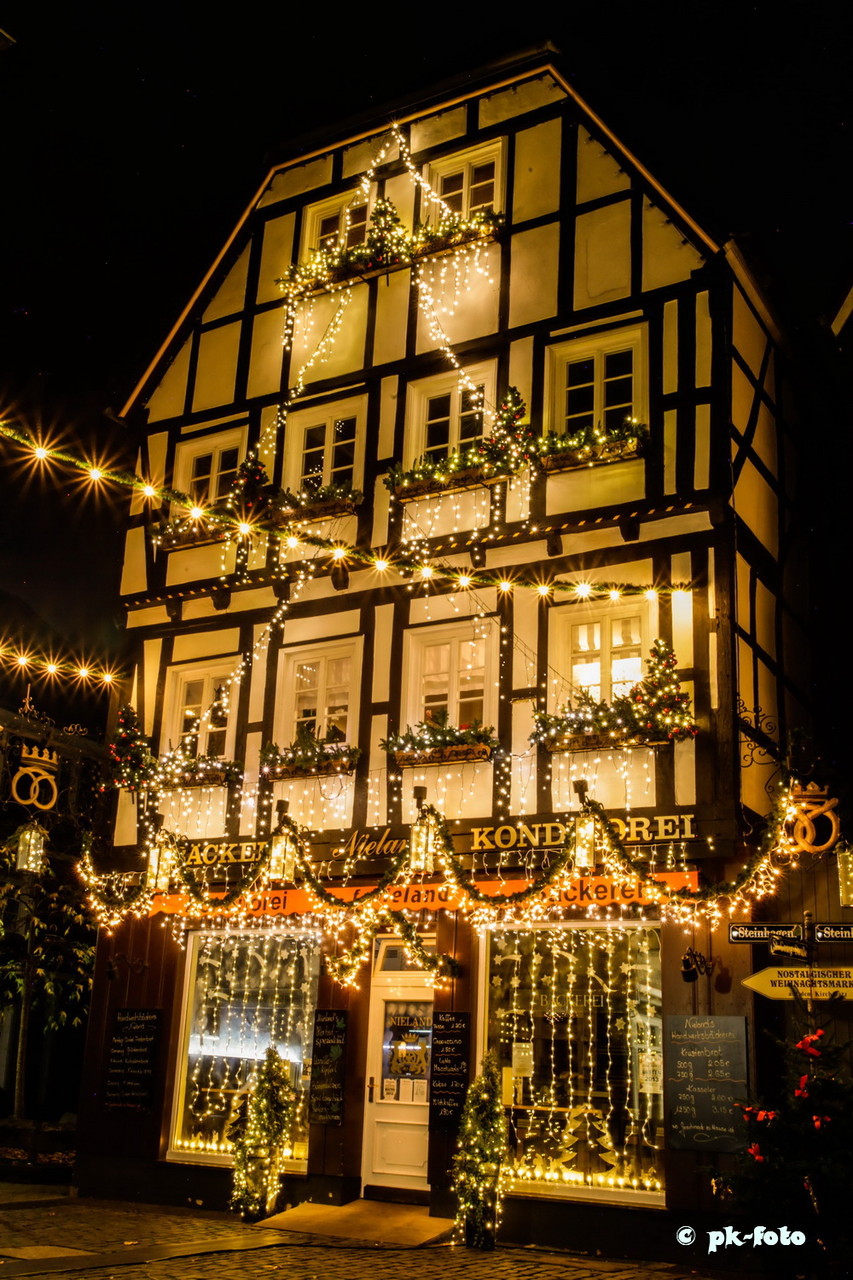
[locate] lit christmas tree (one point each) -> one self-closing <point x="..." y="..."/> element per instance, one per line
<point x="657" y="706"/>
<point x="250" y="490"/>
<point x="263" y="1139"/>
<point x="479" y="1166"/>
<point x="131" y="752"/>
<point x="388" y="241"/>
<point x="512" y="445"/>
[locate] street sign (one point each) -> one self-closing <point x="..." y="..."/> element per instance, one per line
<point x="789" y="947"/>
<point x="813" y="983"/>
<point x="833" y="933"/>
<point x="763" y="932"/>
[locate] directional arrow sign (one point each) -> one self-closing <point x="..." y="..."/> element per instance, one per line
<point x="833" y="933"/>
<point x="815" y="983"/>
<point x="763" y="932"/>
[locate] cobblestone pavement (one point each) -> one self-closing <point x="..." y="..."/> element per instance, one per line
<point x="130" y="1242"/>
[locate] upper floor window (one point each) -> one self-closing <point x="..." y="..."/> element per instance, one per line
<point x="446" y="416"/>
<point x="206" y="468"/>
<point x="325" y="447"/>
<point x="339" y="222"/>
<point x="320" y="692"/>
<point x="598" y="383"/>
<point x="600" y="651"/>
<point x="449" y="675"/>
<point x="469" y="182"/>
<point x="200" y="720"/>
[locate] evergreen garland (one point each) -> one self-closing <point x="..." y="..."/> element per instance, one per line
<point x="263" y="1139"/>
<point x="479" y="1166"/>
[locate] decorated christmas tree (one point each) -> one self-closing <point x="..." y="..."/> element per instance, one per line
<point x="657" y="706"/>
<point x="249" y="492"/>
<point x="131" y="752"/>
<point x="511" y="444"/>
<point x="797" y="1167"/>
<point x="262" y="1139"/>
<point x="479" y="1166"/>
<point x="387" y="239"/>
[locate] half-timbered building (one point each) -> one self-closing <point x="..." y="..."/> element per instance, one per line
<point x="463" y="617"/>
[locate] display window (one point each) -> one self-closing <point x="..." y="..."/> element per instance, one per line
<point x="245" y="992"/>
<point x="575" y="1017"/>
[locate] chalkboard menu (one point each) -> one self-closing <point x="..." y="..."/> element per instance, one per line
<point x="705" y="1068"/>
<point x="328" y="1067"/>
<point x="449" y="1077"/>
<point x="132" y="1058"/>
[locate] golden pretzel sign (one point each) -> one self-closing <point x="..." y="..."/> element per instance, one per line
<point x="41" y="792"/>
<point x="813" y="802"/>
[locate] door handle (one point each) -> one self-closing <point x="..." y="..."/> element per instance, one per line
<point x="370" y="1087"/>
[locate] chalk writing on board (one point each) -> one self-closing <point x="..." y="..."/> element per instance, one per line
<point x="705" y="1076"/>
<point x="132" y="1058"/>
<point x="328" y="1067"/>
<point x="451" y="1034"/>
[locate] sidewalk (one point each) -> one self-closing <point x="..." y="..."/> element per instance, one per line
<point x="45" y="1231"/>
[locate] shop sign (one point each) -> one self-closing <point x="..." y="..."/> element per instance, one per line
<point x="814" y="983"/>
<point x="604" y="891"/>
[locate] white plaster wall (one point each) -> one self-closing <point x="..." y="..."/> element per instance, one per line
<point x="217" y="367"/>
<point x="603" y="255"/>
<point x="167" y="400"/>
<point x="230" y="297"/>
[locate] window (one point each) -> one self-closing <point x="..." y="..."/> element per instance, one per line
<point x="600" y="651"/>
<point x="468" y="183"/>
<point x="322" y="686"/>
<point x="206" y="468"/>
<point x="575" y="1017"/>
<point x="245" y="993"/>
<point x="339" y="222"/>
<point x="320" y="692"/>
<point x="200" y="723"/>
<point x="325" y="447"/>
<point x="598" y="383"/>
<point x="445" y="416"/>
<point x="449" y="676"/>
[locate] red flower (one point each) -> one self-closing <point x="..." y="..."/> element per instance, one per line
<point x="755" y="1152"/>
<point x="820" y="1121"/>
<point x="801" y="1091"/>
<point x="766" y="1115"/>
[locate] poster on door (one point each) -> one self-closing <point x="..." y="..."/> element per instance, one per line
<point x="406" y="1047"/>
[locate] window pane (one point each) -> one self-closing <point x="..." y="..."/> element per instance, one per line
<point x="586" y="657"/>
<point x="471" y="415"/>
<point x="482" y="195"/>
<point x="436" y="683"/>
<point x="626" y="657"/>
<point x="452" y="191"/>
<point x="438" y="426"/>
<point x="201" y="473"/>
<point x="228" y="462"/>
<point x="357" y="228"/>
<point x="192" y="701"/>
<point x="247" y="993"/>
<point x="329" y="229"/>
<point x="575" y="1017"/>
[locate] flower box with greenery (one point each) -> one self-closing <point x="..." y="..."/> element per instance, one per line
<point x="508" y="450"/>
<point x="592" y="446"/>
<point x="178" y="769"/>
<point x="655" y="711"/>
<point x="318" y="503"/>
<point x="388" y="246"/>
<point x="436" y="741"/>
<point x="309" y="756"/>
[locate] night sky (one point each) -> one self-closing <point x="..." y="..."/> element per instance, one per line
<point x="133" y="137"/>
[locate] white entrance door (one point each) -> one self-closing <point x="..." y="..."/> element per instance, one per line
<point x="399" y="1048"/>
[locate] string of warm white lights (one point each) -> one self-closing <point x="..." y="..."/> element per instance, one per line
<point x="32" y="663"/>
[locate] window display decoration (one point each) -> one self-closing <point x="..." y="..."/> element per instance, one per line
<point x="655" y="710"/>
<point x="509" y="448"/>
<point x="262" y="1139"/>
<point x="433" y="741"/>
<point x="592" y="445"/>
<point x="479" y="1171"/>
<point x="575" y="1019"/>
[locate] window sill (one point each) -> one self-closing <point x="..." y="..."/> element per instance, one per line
<point x="192" y="781"/>
<point x="591" y="456"/>
<point x="344" y="765"/>
<point x="348" y="275"/>
<point x="461" y="753"/>
<point x="456" y="482"/>
<point x="315" y="511"/>
<point x="574" y="742"/>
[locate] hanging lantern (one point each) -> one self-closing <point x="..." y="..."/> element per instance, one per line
<point x="584" y="842"/>
<point x="282" y="864"/>
<point x="161" y="856"/>
<point x="845" y="874"/>
<point x="423" y="838"/>
<point x="30" y="851"/>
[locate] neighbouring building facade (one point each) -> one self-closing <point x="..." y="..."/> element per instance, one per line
<point x="466" y="623"/>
